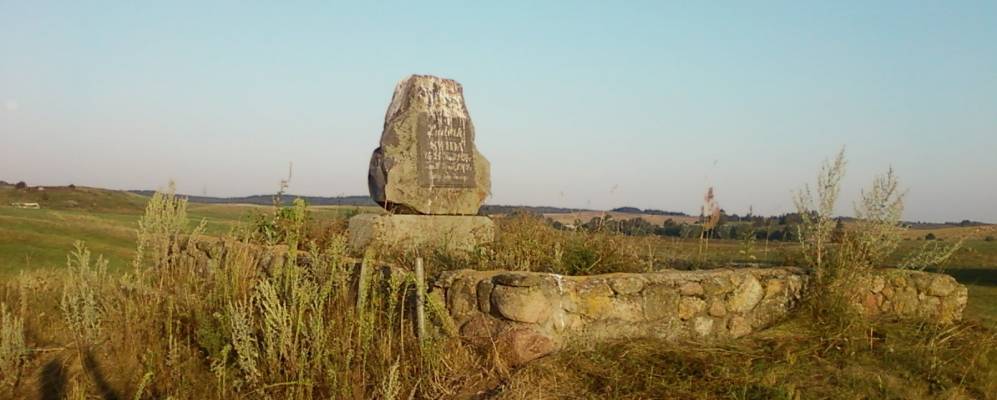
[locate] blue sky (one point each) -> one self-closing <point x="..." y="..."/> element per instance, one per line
<point x="578" y="104"/>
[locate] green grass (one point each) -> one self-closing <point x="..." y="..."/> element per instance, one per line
<point x="976" y="267"/>
<point x="40" y="239"/>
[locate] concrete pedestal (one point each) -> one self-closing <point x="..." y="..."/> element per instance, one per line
<point x="452" y="232"/>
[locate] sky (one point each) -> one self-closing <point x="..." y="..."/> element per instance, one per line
<point x="576" y="104"/>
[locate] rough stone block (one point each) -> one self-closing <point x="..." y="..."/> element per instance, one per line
<point x="427" y="162"/>
<point x="452" y="232"/>
<point x="747" y="295"/>
<point x="521" y="304"/>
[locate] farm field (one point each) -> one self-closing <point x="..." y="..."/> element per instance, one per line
<point x="585" y="216"/>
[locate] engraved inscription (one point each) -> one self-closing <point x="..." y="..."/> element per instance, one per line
<point x="446" y="151"/>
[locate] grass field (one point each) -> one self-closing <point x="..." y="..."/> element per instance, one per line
<point x="791" y="360"/>
<point x="107" y="220"/>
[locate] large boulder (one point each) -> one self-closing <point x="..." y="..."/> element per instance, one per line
<point x="427" y="162"/>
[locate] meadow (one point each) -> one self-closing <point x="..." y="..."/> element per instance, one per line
<point x="107" y="220"/>
<point x="167" y="327"/>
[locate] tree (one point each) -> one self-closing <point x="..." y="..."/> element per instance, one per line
<point x="21" y="185"/>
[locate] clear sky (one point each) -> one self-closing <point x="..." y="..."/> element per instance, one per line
<point x="575" y="104"/>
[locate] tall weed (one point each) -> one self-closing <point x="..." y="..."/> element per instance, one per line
<point x="83" y="302"/>
<point x="13" y="350"/>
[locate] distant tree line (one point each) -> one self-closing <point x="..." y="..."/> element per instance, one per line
<point x="648" y="211"/>
<point x="776" y="228"/>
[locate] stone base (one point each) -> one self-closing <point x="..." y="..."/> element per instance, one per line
<point x="453" y="232"/>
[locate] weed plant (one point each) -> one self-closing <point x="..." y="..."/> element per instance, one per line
<point x="13" y="350"/>
<point x="839" y="260"/>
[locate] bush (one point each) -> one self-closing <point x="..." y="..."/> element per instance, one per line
<point x="989" y="238"/>
<point x="930" y="236"/>
<point x="21" y="185"/>
<point x="875" y="237"/>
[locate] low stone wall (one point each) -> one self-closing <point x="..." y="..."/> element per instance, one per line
<point x="912" y="294"/>
<point x="527" y="315"/>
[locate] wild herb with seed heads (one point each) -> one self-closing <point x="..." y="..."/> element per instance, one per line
<point x="82" y="303"/>
<point x="13" y="350"/>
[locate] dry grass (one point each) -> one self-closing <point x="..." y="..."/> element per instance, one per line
<point x="186" y="326"/>
<point x="526" y="242"/>
<point x="795" y="360"/>
<point x="281" y="310"/>
<point x="13" y="350"/>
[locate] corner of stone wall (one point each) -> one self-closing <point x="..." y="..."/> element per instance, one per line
<point x="912" y="294"/>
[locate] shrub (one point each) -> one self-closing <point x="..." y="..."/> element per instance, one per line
<point x="82" y="304"/>
<point x="988" y="239"/>
<point x="930" y="236"/>
<point x="21" y="185"/>
<point x="161" y="229"/>
<point x="818" y="221"/>
<point x="875" y="237"/>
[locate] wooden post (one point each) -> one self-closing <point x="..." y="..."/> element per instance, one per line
<point x="420" y="299"/>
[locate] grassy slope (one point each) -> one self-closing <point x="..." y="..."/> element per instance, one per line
<point x="105" y="219"/>
<point x="79" y="198"/>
